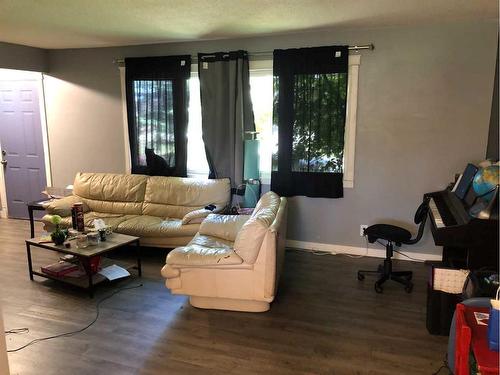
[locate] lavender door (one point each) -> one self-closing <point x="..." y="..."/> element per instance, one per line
<point x="21" y="142"/>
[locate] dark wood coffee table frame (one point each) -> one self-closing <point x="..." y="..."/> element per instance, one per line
<point x="85" y="260"/>
<point x="36" y="206"/>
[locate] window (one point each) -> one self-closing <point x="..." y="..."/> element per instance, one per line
<point x="310" y="112"/>
<point x="261" y="90"/>
<point x="261" y="84"/>
<point x="156" y="95"/>
<point x="315" y="155"/>
<point x="197" y="165"/>
<point x="318" y="134"/>
<point x="154" y="119"/>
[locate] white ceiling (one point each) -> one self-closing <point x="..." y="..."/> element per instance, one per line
<point x="99" y="23"/>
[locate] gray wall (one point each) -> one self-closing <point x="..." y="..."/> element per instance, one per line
<point x="423" y="112"/>
<point x="14" y="56"/>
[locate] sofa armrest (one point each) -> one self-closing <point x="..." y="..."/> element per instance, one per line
<point x="62" y="207"/>
<point x="223" y="226"/>
<point x="197" y="216"/>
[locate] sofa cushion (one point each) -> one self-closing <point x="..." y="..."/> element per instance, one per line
<point x="113" y="193"/>
<point x="112" y="220"/>
<point x="249" y="239"/>
<point x="204" y="251"/>
<point x="62" y="207"/>
<point x="153" y="226"/>
<point x="196" y="216"/>
<point x="175" y="196"/>
<point x="223" y="226"/>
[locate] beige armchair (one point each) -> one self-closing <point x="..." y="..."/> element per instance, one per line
<point x="233" y="262"/>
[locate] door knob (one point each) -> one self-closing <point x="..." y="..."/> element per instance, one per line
<point x="3" y="162"/>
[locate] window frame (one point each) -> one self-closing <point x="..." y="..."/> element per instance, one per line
<point x="350" y="120"/>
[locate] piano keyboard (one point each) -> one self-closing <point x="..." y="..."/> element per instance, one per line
<point x="438" y="220"/>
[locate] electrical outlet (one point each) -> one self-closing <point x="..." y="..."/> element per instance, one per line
<point x="362" y="229"/>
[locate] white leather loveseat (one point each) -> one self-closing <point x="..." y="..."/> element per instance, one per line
<point x="234" y="261"/>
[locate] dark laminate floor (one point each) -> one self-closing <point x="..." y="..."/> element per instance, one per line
<point x="323" y="322"/>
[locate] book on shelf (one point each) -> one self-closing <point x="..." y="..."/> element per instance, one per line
<point x="60" y="268"/>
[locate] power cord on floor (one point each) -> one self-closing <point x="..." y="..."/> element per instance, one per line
<point x="401" y="253"/>
<point x="444" y="366"/>
<point x="16" y="331"/>
<point x="358" y="256"/>
<point x="70" y="333"/>
<point x="409" y="257"/>
<point x="321" y="253"/>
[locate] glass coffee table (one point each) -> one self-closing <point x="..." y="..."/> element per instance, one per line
<point x="90" y="279"/>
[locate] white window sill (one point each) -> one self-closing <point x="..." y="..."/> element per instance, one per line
<point x="197" y="174"/>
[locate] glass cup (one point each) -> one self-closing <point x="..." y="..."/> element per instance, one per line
<point x="82" y="241"/>
<point x="73" y="233"/>
<point x="93" y="238"/>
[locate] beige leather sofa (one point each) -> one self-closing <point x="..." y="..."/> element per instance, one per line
<point x="234" y="261"/>
<point x="163" y="211"/>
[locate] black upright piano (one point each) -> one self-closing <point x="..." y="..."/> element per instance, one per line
<point x="468" y="242"/>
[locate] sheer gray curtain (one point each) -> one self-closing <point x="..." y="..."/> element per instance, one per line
<point x="226" y="110"/>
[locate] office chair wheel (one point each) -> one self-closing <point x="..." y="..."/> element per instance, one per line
<point x="378" y="288"/>
<point x="361" y="277"/>
<point x="409" y="288"/>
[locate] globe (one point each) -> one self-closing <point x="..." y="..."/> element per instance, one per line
<point x="485" y="181"/>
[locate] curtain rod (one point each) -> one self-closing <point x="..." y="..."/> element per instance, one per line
<point x="194" y="58"/>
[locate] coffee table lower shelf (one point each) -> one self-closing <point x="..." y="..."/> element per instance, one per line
<point x="89" y="280"/>
<point x="83" y="281"/>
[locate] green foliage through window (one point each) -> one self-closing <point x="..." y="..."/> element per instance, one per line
<point x="319" y="106"/>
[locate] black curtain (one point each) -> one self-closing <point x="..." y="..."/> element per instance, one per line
<point x="310" y="96"/>
<point x="226" y="111"/>
<point x="157" y="110"/>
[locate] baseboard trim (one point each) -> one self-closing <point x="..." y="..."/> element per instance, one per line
<point x="354" y="250"/>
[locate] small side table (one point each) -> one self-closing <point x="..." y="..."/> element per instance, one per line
<point x="36" y="206"/>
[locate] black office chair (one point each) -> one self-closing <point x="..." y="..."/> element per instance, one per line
<point x="394" y="236"/>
